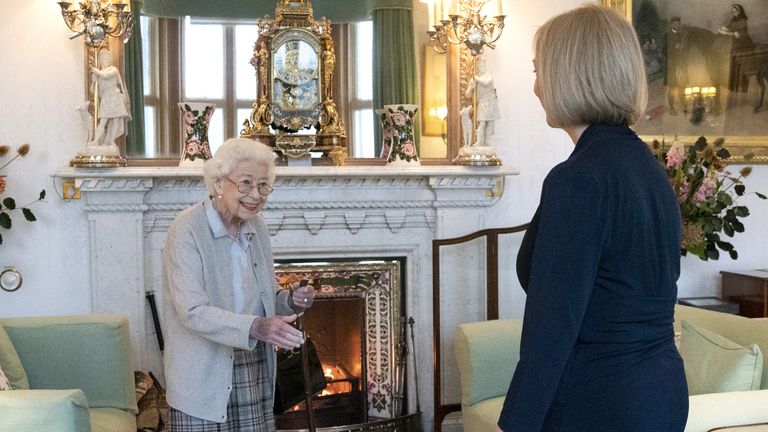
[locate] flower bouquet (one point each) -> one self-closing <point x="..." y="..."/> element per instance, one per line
<point x="707" y="194"/>
<point x="8" y="204"/>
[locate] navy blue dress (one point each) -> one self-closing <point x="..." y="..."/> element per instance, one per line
<point x="599" y="264"/>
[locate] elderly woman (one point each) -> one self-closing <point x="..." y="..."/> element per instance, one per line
<point x="223" y="314"/>
<point x="600" y="260"/>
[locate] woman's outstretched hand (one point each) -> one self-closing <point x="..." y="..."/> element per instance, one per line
<point x="277" y="330"/>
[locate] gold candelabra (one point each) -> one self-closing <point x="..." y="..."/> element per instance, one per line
<point x="95" y="20"/>
<point x="468" y="26"/>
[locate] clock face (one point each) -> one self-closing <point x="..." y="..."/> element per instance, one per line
<point x="295" y="62"/>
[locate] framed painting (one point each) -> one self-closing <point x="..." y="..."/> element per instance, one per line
<point x="707" y="68"/>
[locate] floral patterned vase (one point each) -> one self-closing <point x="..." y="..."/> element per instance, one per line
<point x="403" y="145"/>
<point x="387" y="132"/>
<point x="196" y="116"/>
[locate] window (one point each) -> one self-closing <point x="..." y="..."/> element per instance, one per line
<point x="208" y="60"/>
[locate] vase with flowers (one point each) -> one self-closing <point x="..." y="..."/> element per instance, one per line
<point x="708" y="195"/>
<point x="8" y="205"/>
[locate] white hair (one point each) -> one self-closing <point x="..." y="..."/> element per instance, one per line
<point x="230" y="153"/>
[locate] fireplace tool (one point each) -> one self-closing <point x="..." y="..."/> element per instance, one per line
<point x="411" y="322"/>
<point x="307" y="379"/>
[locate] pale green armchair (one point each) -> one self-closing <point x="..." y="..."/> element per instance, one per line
<point x="79" y="372"/>
<point x="487" y="353"/>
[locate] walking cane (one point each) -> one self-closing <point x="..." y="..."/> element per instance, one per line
<point x="305" y="368"/>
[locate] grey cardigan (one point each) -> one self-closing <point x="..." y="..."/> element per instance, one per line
<point x="201" y="329"/>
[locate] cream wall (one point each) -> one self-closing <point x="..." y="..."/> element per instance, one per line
<point x="41" y="81"/>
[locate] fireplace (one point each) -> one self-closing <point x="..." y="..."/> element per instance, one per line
<point x="315" y="213"/>
<point x="356" y="326"/>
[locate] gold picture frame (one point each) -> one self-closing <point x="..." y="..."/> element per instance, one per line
<point x="718" y="91"/>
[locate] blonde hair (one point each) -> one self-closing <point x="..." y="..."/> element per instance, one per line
<point x="230" y="153"/>
<point x="590" y="69"/>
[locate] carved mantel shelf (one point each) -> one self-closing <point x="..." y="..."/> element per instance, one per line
<point x="305" y="197"/>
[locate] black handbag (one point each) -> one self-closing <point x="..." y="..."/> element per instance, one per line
<point x="289" y="386"/>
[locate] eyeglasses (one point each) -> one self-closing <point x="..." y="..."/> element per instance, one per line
<point x="246" y="186"/>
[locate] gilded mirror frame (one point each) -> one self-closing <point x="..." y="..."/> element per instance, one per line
<point x="458" y="72"/>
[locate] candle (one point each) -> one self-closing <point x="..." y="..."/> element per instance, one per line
<point x="498" y="8"/>
<point x="431" y="10"/>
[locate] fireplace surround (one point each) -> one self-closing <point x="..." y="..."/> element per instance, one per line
<point x="315" y="213"/>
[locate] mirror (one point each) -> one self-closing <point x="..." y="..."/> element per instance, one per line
<point x="178" y="69"/>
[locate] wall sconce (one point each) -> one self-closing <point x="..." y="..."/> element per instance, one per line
<point x="700" y="100"/>
<point x="96" y="21"/>
<point x="462" y="23"/>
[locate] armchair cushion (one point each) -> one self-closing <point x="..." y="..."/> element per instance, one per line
<point x="90" y="352"/>
<point x="10" y="362"/>
<point x="487" y="353"/>
<point x="44" y="410"/>
<point x="715" y="364"/>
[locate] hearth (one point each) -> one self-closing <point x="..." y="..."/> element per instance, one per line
<point x="355" y="326"/>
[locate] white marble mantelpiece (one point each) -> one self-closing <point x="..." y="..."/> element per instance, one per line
<point x="314" y="212"/>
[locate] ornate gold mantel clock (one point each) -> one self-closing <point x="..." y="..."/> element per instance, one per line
<point x="294" y="61"/>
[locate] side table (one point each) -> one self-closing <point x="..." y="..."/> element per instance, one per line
<point x="748" y="288"/>
<point x="711" y="303"/>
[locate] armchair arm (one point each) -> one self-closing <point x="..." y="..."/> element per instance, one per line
<point x="487" y="353"/>
<point x="44" y="410"/>
<point x="712" y="410"/>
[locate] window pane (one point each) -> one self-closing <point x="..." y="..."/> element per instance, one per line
<point x="203" y="60"/>
<point x="363" y="130"/>
<point x="245" y="73"/>
<point x="216" y="130"/>
<point x="146" y="57"/>
<point x="150" y="132"/>
<point x="364" y="60"/>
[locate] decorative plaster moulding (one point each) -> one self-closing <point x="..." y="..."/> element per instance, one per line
<point x="305" y="198"/>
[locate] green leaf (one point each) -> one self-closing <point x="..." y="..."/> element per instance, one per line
<point x="761" y="196"/>
<point x="28" y="215"/>
<point x="728" y="230"/>
<point x="733" y="254"/>
<point x="712" y="252"/>
<point x="740" y="189"/>
<point x="5" y="220"/>
<point x="9" y="203"/>
<point x="724" y="246"/>
<point x="738" y="226"/>
<point x="42" y="195"/>
<point x="723" y="153"/>
<point x="701" y="143"/>
<point x="741" y="211"/>
<point x="1" y="239"/>
<point x="718" y="142"/>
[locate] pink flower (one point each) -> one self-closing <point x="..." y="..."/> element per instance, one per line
<point x="682" y="193"/>
<point x="192" y="147"/>
<point x="398" y="119"/>
<point x="189" y="118"/>
<point x="2" y="184"/>
<point x="408" y="148"/>
<point x="706" y="189"/>
<point x="676" y="155"/>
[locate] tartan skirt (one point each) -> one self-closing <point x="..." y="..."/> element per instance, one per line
<point x="250" y="402"/>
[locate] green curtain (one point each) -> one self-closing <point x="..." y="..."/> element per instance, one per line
<point x="335" y="10"/>
<point x="134" y="142"/>
<point x="394" y="60"/>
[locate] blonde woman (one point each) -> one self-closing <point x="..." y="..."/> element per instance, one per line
<point x="600" y="260"/>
